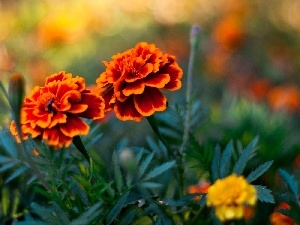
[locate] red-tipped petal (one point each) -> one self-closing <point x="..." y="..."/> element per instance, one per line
<point x="74" y="126"/>
<point x="150" y="101"/>
<point x="157" y="80"/>
<point x="126" y="111"/>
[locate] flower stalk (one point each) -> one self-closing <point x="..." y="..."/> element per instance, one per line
<point x="194" y="42"/>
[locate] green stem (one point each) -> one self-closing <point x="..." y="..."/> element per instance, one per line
<point x="79" y="145"/>
<point x="194" y="37"/>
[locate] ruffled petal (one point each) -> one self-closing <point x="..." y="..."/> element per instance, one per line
<point x="44" y="121"/>
<point x="134" y="88"/>
<point x="127" y="111"/>
<point x="55" y="77"/>
<point x="74" y="126"/>
<point x="150" y="101"/>
<point x="58" y="118"/>
<point x="157" y="80"/>
<point x="96" y="106"/>
<point x="77" y="108"/>
<point x="68" y="98"/>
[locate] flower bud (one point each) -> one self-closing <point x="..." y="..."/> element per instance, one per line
<point x="16" y="89"/>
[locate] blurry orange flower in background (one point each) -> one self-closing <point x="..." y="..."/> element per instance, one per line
<point x="53" y="112"/>
<point x="285" y="97"/>
<point x="277" y="218"/>
<point x="229" y="33"/>
<point x="132" y="81"/>
<point x="200" y="188"/>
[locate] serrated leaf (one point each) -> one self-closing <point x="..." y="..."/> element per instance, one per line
<point x="226" y="160"/>
<point x="159" y="170"/>
<point x="115" y="211"/>
<point x="144" y="165"/>
<point x="289" y="180"/>
<point x="88" y="215"/>
<point x="264" y="194"/>
<point x="259" y="171"/>
<point x="117" y="172"/>
<point x="240" y="165"/>
<point x="215" y="165"/>
<point x="15" y="174"/>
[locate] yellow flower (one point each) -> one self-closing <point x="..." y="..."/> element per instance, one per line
<point x="229" y="196"/>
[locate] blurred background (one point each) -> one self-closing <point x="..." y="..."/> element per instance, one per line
<point x="247" y="72"/>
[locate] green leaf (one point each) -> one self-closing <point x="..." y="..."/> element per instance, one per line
<point x="259" y="171"/>
<point x="46" y="214"/>
<point x="289" y="180"/>
<point x="145" y="164"/>
<point x="9" y="165"/>
<point x="117" y="172"/>
<point x="151" y="185"/>
<point x="264" y="194"/>
<point x="88" y="215"/>
<point x="9" y="144"/>
<point x="16" y="173"/>
<point x="115" y="211"/>
<point x="31" y="222"/>
<point x="159" y="170"/>
<point x="215" y="165"/>
<point x="240" y="165"/>
<point x="226" y="160"/>
<point x="128" y="218"/>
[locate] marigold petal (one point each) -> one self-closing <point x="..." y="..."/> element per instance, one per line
<point x="74" y="126"/>
<point x="95" y="105"/>
<point x="44" y="121"/>
<point x="150" y="101"/>
<point x="175" y="73"/>
<point x="33" y="131"/>
<point x="118" y="90"/>
<point x="55" y="77"/>
<point x="77" y="108"/>
<point x="58" y="118"/>
<point x="141" y="73"/>
<point x="134" y="88"/>
<point x="80" y="81"/>
<point x="68" y="98"/>
<point x="157" y="80"/>
<point x="127" y="111"/>
<point x="51" y="136"/>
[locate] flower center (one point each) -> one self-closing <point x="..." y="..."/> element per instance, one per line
<point x="46" y="100"/>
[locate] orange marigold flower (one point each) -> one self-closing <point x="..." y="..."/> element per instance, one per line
<point x="277" y="218"/>
<point x="53" y="112"/>
<point x="200" y="188"/>
<point x="132" y="81"/>
<point x="285" y="97"/>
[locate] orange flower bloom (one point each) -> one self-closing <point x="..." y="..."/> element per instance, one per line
<point x="285" y="97"/>
<point x="132" y="81"/>
<point x="200" y="188"/>
<point x="277" y="218"/>
<point x="53" y="112"/>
